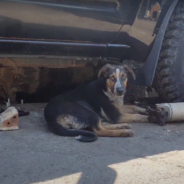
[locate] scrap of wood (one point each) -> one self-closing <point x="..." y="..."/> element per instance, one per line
<point x="9" y="119"/>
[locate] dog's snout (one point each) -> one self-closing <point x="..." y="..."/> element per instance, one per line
<point x="120" y="89"/>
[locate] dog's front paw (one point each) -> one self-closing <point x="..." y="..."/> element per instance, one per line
<point x="124" y="126"/>
<point x="127" y="133"/>
<point x="156" y="116"/>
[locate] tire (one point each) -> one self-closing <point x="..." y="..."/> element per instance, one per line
<point x="169" y="77"/>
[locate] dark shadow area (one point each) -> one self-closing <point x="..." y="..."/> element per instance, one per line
<point x="43" y="95"/>
<point x="53" y="82"/>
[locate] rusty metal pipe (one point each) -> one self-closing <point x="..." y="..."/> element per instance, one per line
<point x="174" y="111"/>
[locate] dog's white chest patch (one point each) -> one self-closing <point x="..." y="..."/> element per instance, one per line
<point x="104" y="115"/>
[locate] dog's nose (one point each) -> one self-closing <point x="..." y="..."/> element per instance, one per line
<point x="120" y="89"/>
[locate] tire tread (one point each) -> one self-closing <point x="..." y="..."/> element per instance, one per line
<point x="165" y="77"/>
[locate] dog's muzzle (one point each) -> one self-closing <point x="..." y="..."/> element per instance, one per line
<point x="120" y="91"/>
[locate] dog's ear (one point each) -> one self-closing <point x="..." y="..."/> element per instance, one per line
<point x="129" y="70"/>
<point x="103" y="71"/>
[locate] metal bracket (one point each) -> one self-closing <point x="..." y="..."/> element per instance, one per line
<point x="21" y="111"/>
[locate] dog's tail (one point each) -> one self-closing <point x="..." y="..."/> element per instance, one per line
<point x="80" y="135"/>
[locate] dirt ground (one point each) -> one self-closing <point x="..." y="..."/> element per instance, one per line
<point x="33" y="154"/>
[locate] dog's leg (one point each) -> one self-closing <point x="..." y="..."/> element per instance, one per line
<point x="133" y="118"/>
<point x="117" y="126"/>
<point x="103" y="132"/>
<point x="132" y="109"/>
<point x="140" y="110"/>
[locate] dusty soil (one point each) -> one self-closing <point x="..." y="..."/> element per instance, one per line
<point x="33" y="154"/>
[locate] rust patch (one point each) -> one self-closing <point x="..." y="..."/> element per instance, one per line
<point x="27" y="74"/>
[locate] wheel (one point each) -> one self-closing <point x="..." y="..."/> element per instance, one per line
<point x="169" y="77"/>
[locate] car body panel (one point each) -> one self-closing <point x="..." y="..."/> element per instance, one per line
<point x="107" y="25"/>
<point x="81" y="21"/>
<point x="140" y="35"/>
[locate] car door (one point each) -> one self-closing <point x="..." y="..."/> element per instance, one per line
<point x="62" y="23"/>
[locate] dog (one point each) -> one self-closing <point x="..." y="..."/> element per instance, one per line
<point x="80" y="112"/>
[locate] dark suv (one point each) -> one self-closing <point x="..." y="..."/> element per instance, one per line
<point x="40" y="38"/>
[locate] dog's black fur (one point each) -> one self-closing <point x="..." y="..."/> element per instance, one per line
<point x="75" y="102"/>
<point x="78" y="112"/>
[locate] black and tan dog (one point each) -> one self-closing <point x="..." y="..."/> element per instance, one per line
<point x="79" y="112"/>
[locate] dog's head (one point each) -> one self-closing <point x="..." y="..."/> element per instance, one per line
<point x="116" y="78"/>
